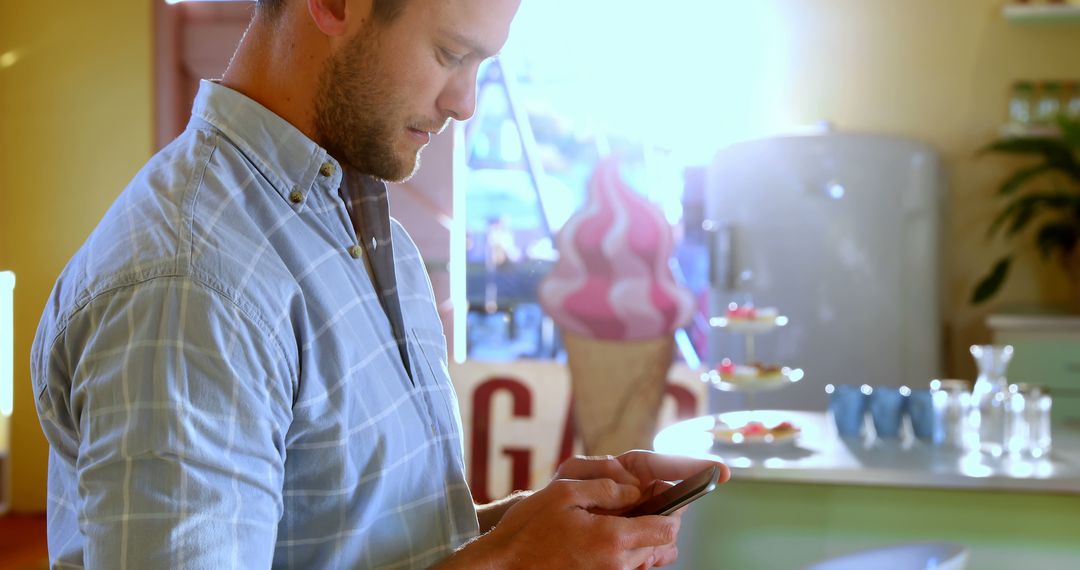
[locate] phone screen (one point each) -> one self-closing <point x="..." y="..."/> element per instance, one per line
<point x="680" y="495"/>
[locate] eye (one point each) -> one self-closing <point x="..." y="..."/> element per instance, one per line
<point x="450" y="58"/>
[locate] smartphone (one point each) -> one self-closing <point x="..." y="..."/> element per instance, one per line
<point x="687" y="491"/>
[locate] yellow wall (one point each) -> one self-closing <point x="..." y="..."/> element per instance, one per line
<point x="939" y="71"/>
<point x="75" y="126"/>
<point x="76" y="123"/>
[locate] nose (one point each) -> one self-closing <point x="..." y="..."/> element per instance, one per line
<point x="458" y="98"/>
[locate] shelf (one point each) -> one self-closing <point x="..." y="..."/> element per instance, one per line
<point x="748" y="326"/>
<point x="1042" y="13"/>
<point x="1022" y="131"/>
<point x="787" y="377"/>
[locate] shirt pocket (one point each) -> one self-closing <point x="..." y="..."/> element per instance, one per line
<point x="433" y="380"/>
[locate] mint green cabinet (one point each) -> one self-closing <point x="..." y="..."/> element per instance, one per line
<point x="785" y="526"/>
<point x="1047" y="354"/>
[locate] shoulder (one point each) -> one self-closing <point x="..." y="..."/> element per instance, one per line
<point x="186" y="215"/>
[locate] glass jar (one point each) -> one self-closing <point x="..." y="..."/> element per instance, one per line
<point x="1037" y="404"/>
<point x="1017" y="426"/>
<point x="953" y="399"/>
<point x="1048" y="103"/>
<point x="1028" y="421"/>
<point x="1022" y="103"/>
<point x="990" y="397"/>
<point x="1072" y="103"/>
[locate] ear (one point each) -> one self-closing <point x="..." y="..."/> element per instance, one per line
<point x="332" y="16"/>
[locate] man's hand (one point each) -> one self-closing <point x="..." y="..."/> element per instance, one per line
<point x="650" y="472"/>
<point x="640" y="468"/>
<point x="574" y="522"/>
<point x="559" y="527"/>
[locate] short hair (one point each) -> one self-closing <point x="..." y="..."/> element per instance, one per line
<point x="385" y="10"/>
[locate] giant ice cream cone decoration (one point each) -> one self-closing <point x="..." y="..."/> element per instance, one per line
<point x="614" y="296"/>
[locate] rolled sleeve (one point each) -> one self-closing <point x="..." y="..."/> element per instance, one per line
<point x="180" y="401"/>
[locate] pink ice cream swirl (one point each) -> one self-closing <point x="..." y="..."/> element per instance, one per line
<point x="613" y="280"/>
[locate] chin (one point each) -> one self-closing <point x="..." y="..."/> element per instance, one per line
<point x="409" y="165"/>
<point x="402" y="171"/>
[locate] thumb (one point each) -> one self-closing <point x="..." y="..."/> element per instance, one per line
<point x="599" y="494"/>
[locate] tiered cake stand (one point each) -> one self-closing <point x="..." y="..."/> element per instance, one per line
<point x="750" y="378"/>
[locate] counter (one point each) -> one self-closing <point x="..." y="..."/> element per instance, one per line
<point x="820" y="456"/>
<point x="789" y="506"/>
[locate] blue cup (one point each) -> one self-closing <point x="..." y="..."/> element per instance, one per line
<point x="848" y="404"/>
<point x="927" y="419"/>
<point x="887" y="407"/>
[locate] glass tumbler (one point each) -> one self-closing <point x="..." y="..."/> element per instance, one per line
<point x="955" y="400"/>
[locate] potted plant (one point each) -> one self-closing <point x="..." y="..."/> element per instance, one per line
<point x="1047" y="193"/>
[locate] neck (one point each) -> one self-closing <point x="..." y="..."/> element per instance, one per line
<point x="277" y="65"/>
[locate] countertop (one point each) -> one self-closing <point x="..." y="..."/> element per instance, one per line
<point x="1038" y="322"/>
<point x="819" y="455"/>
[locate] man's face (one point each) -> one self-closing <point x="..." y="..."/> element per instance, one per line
<point x="394" y="84"/>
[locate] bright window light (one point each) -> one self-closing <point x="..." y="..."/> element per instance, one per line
<point x="458" y="263"/>
<point x="688" y="75"/>
<point x="7" y="341"/>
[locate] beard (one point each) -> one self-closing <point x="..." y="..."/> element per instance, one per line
<point x="358" y="119"/>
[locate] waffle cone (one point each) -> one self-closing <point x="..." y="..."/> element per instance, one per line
<point x="617" y="387"/>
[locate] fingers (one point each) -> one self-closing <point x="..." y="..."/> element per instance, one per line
<point x="562" y="520"/>
<point x="594" y="494"/>
<point x="631" y="533"/>
<point x="666" y="535"/>
<point x="657" y="487"/>
<point x="647" y="465"/>
<point x="666" y="555"/>
<point x="647" y="531"/>
<point x="641" y="559"/>
<point x="654" y="557"/>
<point x="606" y="467"/>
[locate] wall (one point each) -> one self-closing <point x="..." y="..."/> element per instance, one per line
<point x="75" y="126"/>
<point x="939" y="72"/>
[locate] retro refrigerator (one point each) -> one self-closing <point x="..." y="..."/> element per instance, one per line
<point x="841" y="233"/>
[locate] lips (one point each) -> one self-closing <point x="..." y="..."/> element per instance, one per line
<point x="422" y="137"/>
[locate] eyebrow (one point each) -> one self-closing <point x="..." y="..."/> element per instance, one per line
<point x="469" y="43"/>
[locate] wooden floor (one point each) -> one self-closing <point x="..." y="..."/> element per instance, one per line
<point x="22" y="543"/>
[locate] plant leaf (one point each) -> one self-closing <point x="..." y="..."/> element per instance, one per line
<point x="1055" y="152"/>
<point x="1023" y="217"/>
<point x="1070" y="130"/>
<point x="1060" y="236"/>
<point x="1021" y="177"/>
<point x="1042" y="146"/>
<point x="1024" y="208"/>
<point x="992" y="282"/>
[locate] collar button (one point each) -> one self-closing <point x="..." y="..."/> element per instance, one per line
<point x="296" y="197"/>
<point x="327" y="169"/>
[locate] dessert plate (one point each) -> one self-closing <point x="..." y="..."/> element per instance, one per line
<point x="740" y="380"/>
<point x="755" y="434"/>
<point x="751" y="326"/>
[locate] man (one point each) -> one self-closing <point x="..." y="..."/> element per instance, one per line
<point x="243" y="366"/>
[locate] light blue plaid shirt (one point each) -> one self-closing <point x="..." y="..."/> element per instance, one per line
<point x="219" y="383"/>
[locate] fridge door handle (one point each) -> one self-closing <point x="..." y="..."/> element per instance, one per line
<point x="721" y="253"/>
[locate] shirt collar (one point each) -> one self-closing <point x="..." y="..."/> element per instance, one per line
<point x="284" y="155"/>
